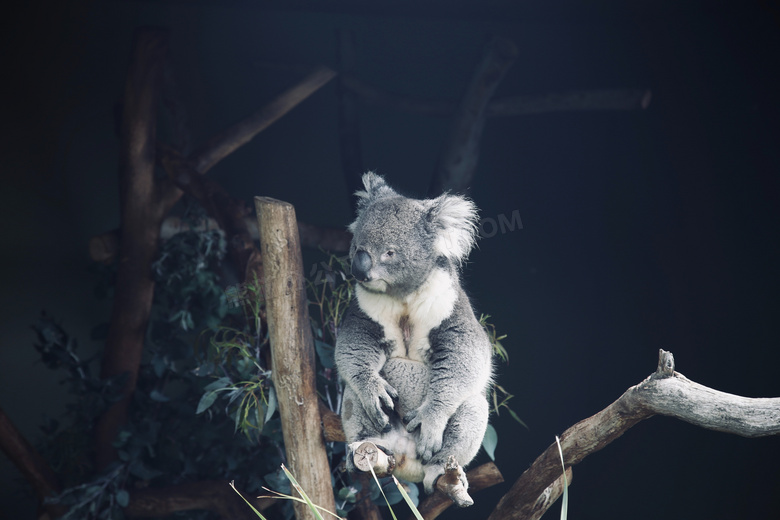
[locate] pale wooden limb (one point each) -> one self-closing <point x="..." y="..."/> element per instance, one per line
<point x="224" y="143"/>
<point x="458" y="159"/>
<point x="665" y="392"/>
<point x="292" y="352"/>
<point x="479" y="478"/>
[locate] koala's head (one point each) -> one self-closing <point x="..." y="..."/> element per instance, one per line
<point x="398" y="241"/>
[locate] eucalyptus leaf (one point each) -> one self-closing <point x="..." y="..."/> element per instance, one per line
<point x="206" y="401"/>
<point x="489" y="441"/>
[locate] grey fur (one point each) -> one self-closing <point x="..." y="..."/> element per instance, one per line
<point x="415" y="361"/>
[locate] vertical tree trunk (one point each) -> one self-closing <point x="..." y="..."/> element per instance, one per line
<point x="292" y="352"/>
<point x="142" y="212"/>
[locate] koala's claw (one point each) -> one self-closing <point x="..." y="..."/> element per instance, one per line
<point x="383" y="400"/>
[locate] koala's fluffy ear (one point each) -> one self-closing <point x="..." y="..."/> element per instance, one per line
<point x="376" y="188"/>
<point x="454" y="219"/>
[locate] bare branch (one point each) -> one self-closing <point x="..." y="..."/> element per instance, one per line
<point x="209" y="495"/>
<point x="479" y="478"/>
<point x="459" y="157"/>
<point x="292" y="352"/>
<point x="606" y="99"/>
<point x="142" y="215"/>
<point x="349" y="130"/>
<point x="665" y="392"/>
<point x="575" y="100"/>
<point x="29" y="462"/>
<point x="224" y="143"/>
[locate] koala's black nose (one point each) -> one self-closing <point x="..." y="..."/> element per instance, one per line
<point x="361" y="265"/>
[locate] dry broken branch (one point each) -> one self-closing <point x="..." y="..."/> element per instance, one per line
<point x="665" y="392"/>
<point x="479" y="478"/>
<point x="292" y="352"/>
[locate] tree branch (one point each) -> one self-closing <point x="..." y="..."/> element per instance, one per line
<point x="459" y="157"/>
<point x="104" y="248"/>
<point x="141" y="217"/>
<point x="575" y="100"/>
<point x="479" y="478"/>
<point x="226" y="142"/>
<point x="29" y="462"/>
<point x="665" y="392"/>
<point x="292" y="352"/>
<point x="209" y="495"/>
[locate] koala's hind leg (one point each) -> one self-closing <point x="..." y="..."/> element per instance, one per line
<point x="462" y="440"/>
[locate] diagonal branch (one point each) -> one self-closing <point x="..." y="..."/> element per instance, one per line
<point x="458" y="159"/>
<point x="27" y="459"/>
<point x="233" y="137"/>
<point x="665" y="392"/>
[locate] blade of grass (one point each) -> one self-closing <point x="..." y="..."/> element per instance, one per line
<point x="565" y="499"/>
<point x="383" y="492"/>
<point x="408" y="499"/>
<point x="232" y="484"/>
<point x="302" y="493"/>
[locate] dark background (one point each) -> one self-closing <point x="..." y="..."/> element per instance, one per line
<point x="641" y="230"/>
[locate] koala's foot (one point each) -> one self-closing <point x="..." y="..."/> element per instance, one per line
<point x="366" y="455"/>
<point x="453" y="483"/>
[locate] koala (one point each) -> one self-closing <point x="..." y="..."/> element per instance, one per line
<point x="415" y="361"/>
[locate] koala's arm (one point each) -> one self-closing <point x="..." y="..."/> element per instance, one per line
<point x="460" y="359"/>
<point x="360" y="355"/>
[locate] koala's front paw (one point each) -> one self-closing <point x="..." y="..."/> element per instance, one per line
<point x="431" y="432"/>
<point x="379" y="399"/>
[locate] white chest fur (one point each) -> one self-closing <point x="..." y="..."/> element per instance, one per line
<point x="408" y="321"/>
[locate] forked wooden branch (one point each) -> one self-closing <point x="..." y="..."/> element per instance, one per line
<point x="665" y="392"/>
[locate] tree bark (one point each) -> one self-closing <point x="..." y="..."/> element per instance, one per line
<point x="349" y="129"/>
<point x="292" y="352"/>
<point x="665" y="392"/>
<point x="479" y="478"/>
<point x="571" y="101"/>
<point x="143" y="205"/>
<point x="29" y="462"/>
<point x="458" y="160"/>
<point x="209" y="495"/>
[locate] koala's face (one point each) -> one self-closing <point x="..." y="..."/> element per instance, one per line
<point x="392" y="248"/>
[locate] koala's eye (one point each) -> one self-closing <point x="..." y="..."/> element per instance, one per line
<point x="390" y="253"/>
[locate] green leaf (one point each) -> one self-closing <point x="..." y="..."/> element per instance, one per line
<point x="489" y="441"/>
<point x="325" y="353"/>
<point x="122" y="498"/>
<point x="269" y="412"/>
<point x="156" y="395"/>
<point x="206" y="401"/>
